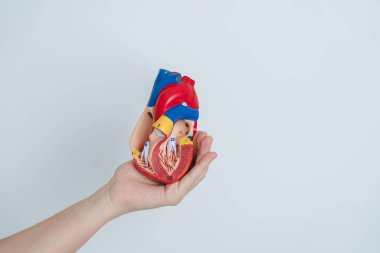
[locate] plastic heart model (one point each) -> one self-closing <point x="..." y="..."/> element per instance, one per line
<point x="161" y="143"/>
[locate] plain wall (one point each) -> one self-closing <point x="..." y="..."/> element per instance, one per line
<point x="290" y="90"/>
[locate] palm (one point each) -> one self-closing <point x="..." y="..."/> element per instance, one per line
<point x="130" y="190"/>
<point x="130" y="186"/>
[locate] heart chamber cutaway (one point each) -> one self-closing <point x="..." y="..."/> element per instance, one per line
<point x="161" y="143"/>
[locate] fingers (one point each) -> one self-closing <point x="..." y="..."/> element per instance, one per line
<point x="196" y="136"/>
<point x="175" y="192"/>
<point x="204" y="146"/>
<point x="199" y="136"/>
<point x="198" y="172"/>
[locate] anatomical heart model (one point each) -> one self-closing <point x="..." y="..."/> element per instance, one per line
<point x="161" y="143"/>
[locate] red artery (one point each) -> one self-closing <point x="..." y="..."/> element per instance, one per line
<point x="176" y="94"/>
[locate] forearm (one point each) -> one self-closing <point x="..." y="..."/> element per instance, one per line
<point x="66" y="231"/>
<point x="127" y="191"/>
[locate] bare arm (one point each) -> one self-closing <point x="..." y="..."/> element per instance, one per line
<point x="66" y="231"/>
<point x="126" y="192"/>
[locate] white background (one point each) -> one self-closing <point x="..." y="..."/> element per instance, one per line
<point x="290" y="90"/>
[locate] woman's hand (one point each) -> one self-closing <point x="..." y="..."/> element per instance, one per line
<point x="130" y="191"/>
<point x="127" y="191"/>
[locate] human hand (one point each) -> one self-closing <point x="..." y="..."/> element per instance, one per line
<point x="129" y="190"/>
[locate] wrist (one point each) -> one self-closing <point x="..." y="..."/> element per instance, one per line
<point x="101" y="203"/>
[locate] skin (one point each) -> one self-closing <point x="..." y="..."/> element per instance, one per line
<point x="126" y="192"/>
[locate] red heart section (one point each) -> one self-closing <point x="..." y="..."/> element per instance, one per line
<point x="165" y="168"/>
